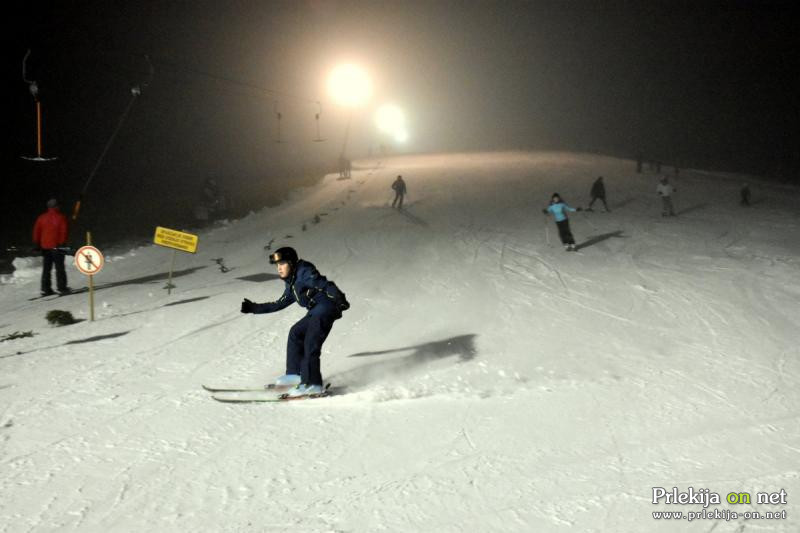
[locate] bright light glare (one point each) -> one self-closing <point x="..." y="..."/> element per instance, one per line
<point x="349" y="85"/>
<point x="389" y="119"/>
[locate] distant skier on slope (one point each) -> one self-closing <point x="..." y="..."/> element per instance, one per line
<point x="598" y="192"/>
<point x="325" y="303"/>
<point x="744" y="195"/>
<point x="559" y="209"/>
<point x="665" y="190"/>
<point x="399" y="188"/>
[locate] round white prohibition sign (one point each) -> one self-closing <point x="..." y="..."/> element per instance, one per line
<point x="89" y="260"/>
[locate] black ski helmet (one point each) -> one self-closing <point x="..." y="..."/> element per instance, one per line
<point x="283" y="254"/>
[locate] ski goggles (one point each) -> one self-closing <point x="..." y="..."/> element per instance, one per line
<point x="276" y="258"/>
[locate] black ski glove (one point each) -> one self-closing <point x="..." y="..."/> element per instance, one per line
<point x="342" y="302"/>
<point x="544" y="211"/>
<point x="579" y="209"/>
<point x="247" y="306"/>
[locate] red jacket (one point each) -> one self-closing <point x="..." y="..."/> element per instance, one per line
<point x="50" y="229"/>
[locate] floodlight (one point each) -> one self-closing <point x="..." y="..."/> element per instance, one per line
<point x="349" y="85"/>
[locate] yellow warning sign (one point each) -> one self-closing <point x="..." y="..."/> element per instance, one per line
<point x="179" y="240"/>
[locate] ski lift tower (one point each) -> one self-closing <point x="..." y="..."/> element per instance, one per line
<point x="33" y="87"/>
<point x="349" y="86"/>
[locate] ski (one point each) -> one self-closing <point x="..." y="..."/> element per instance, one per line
<point x="268" y="387"/>
<point x="264" y="396"/>
<point x="45" y="298"/>
<point x="56" y="296"/>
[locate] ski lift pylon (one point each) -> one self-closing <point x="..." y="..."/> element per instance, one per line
<point x="278" y="117"/>
<point x="318" y="139"/>
<point x="33" y="87"/>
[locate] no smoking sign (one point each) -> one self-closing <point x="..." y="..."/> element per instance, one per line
<point x="89" y="260"/>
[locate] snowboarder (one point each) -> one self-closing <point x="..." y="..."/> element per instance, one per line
<point x="559" y="209"/>
<point x="745" y="195"/>
<point x="598" y="192"/>
<point x="399" y="187"/>
<point x="665" y="190"/>
<point x="49" y="233"/>
<point x="325" y="303"/>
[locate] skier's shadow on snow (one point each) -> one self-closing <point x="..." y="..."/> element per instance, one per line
<point x="600" y="238"/>
<point x="186" y="301"/>
<point x="413" y="218"/>
<point x="98" y="338"/>
<point x="258" y="278"/>
<point x="624" y="202"/>
<point x="78" y="341"/>
<point x="692" y="208"/>
<point x="462" y="346"/>
<point x="149" y="279"/>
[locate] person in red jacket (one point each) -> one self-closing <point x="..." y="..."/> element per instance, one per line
<point x="50" y="232"/>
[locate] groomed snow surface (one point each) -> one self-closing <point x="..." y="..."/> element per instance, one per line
<point x="487" y="380"/>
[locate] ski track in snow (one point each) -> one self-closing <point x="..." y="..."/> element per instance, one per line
<point x="488" y="379"/>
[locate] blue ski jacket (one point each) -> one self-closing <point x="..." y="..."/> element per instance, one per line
<point x="310" y="289"/>
<point x="559" y="211"/>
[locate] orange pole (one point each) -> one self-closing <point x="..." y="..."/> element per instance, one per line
<point x="38" y="128"/>
<point x="91" y="282"/>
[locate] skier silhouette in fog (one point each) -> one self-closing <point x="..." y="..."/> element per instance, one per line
<point x="745" y="195"/>
<point x="399" y="187"/>
<point x="598" y="192"/>
<point x="665" y="190"/>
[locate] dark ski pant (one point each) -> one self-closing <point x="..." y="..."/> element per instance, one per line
<point x="305" y="344"/>
<point x="53" y="258"/>
<point x="603" y="198"/>
<point x="398" y="196"/>
<point x="564" y="232"/>
<point x="667" y="208"/>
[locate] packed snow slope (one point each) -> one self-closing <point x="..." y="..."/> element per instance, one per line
<point x="486" y="379"/>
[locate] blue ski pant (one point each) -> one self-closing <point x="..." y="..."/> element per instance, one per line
<point x="305" y="345"/>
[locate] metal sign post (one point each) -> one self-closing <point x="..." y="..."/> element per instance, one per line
<point x="89" y="261"/>
<point x="177" y="240"/>
<point x="171" y="269"/>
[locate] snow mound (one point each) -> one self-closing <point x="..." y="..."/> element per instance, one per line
<point x="26" y="269"/>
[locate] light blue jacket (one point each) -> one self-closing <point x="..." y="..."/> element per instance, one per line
<point x="559" y="211"/>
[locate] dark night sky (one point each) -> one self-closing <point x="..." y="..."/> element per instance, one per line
<point x="710" y="84"/>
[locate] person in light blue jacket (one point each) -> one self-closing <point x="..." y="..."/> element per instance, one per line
<point x="558" y="208"/>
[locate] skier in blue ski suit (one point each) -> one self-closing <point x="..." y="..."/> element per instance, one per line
<point x="558" y="208"/>
<point x="325" y="303"/>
